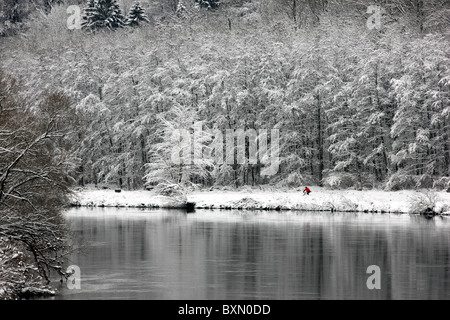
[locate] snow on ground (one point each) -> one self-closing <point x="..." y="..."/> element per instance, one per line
<point x="110" y="198"/>
<point x="320" y="199"/>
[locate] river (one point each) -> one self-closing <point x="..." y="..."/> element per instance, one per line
<point x="168" y="254"/>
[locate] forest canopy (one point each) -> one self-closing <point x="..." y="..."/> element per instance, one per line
<point x="354" y="106"/>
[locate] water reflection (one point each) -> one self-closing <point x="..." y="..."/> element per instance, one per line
<point x="164" y="254"/>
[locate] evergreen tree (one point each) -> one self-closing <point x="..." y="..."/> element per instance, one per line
<point x="103" y="13"/>
<point x="88" y="14"/>
<point x="136" y="15"/>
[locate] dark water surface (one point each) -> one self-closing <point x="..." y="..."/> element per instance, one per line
<point x="168" y="254"/>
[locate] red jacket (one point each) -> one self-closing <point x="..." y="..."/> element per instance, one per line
<point x="307" y="190"/>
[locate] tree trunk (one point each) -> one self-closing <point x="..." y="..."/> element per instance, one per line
<point x="294" y="13"/>
<point x="320" y="140"/>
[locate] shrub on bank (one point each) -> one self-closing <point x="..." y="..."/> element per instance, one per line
<point x="424" y="204"/>
<point x="19" y="277"/>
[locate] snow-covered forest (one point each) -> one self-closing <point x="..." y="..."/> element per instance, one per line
<point x="358" y="92"/>
<point x="356" y="106"/>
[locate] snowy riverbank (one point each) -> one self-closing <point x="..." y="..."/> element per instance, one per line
<point x="320" y="199"/>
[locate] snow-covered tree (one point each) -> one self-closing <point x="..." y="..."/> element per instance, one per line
<point x="136" y="15"/>
<point x="420" y="124"/>
<point x="88" y="14"/>
<point x="351" y="106"/>
<point x="178" y="157"/>
<point x="103" y="14"/>
<point x="36" y="168"/>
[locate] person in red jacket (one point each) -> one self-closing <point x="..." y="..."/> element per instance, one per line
<point x="307" y="191"/>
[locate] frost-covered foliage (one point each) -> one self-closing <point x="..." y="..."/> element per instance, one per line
<point x="19" y="277"/>
<point x="340" y="181"/>
<point x="89" y="13"/>
<point x="171" y="190"/>
<point x="424" y="203"/>
<point x="15" y="13"/>
<point x="136" y="15"/>
<point x="295" y="179"/>
<point x="177" y="158"/>
<point x="103" y="14"/>
<point x="442" y="184"/>
<point x="354" y="107"/>
<point x="36" y="163"/>
<point x="400" y="180"/>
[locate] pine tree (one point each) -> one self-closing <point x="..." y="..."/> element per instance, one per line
<point x="89" y="14"/>
<point x="136" y="15"/>
<point x="103" y="14"/>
